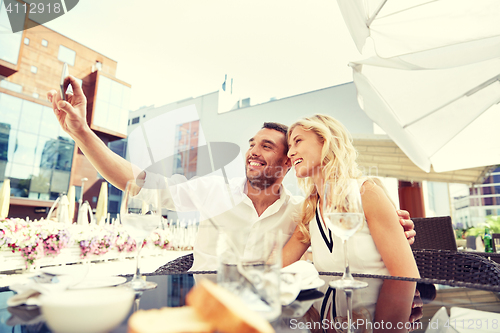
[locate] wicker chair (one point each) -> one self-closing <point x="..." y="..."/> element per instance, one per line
<point x="177" y="266"/>
<point x="434" y="233"/>
<point x="457" y="267"/>
<point x="493" y="237"/>
<point x="488" y="255"/>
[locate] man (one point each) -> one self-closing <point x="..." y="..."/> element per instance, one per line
<point x="253" y="204"/>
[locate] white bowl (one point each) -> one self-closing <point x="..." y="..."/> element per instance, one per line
<point x="90" y="310"/>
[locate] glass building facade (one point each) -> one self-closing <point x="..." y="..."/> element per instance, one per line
<point x="35" y="153"/>
<point x="482" y="200"/>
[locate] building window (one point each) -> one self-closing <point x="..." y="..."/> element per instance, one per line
<point x="34" y="69"/>
<point x="135" y="120"/>
<point x="26" y="41"/>
<point x="111" y="110"/>
<point x="489" y="211"/>
<point x="45" y="42"/>
<point x="66" y="55"/>
<point x="37" y="162"/>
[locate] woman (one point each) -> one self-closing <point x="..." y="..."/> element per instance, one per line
<point x="320" y="149"/>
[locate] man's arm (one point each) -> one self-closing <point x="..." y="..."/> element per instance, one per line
<point x="72" y="116"/>
<point x="408" y="225"/>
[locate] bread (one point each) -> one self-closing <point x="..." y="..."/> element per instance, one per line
<point x="168" y="320"/>
<point x="225" y="311"/>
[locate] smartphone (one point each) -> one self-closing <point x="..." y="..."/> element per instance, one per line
<point x="64" y="75"/>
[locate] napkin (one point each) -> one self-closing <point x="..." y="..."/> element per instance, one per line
<point x="306" y="270"/>
<point x="467" y="320"/>
<point x="440" y="323"/>
<point x="28" y="293"/>
<point x="294" y="278"/>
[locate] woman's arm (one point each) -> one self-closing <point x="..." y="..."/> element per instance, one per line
<point x="385" y="229"/>
<point x="394" y="305"/>
<point x="294" y="248"/>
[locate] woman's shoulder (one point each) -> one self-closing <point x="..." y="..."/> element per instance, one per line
<point x="366" y="184"/>
<point x="372" y="191"/>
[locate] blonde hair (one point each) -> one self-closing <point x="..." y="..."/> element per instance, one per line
<point x="338" y="161"/>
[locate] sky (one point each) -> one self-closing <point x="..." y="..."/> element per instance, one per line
<point x="172" y="50"/>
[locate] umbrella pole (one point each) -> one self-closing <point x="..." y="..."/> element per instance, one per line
<point x="450" y="201"/>
<point x="369" y="22"/>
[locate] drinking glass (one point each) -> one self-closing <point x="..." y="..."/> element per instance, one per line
<point x="344" y="216"/>
<point x="497" y="244"/>
<point x="253" y="275"/>
<point x="140" y="214"/>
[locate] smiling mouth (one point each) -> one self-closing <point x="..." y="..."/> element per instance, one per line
<point x="297" y="162"/>
<point x="255" y="164"/>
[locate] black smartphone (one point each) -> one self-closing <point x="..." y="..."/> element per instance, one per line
<point x="64" y="75"/>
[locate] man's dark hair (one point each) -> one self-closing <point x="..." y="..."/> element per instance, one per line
<point x="277" y="127"/>
<point x="280" y="128"/>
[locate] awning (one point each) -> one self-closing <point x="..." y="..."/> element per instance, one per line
<point x="379" y="156"/>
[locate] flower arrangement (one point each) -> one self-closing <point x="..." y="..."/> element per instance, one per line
<point x="33" y="240"/>
<point x="38" y="239"/>
<point x="93" y="239"/>
<point x="123" y="242"/>
<point x="162" y="239"/>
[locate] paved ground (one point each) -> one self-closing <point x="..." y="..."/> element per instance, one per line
<point x="127" y="266"/>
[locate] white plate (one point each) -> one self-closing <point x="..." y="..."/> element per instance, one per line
<point x="99" y="282"/>
<point x="315" y="284"/>
<point x="77" y="270"/>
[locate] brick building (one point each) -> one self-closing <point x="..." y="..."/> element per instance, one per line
<point x="41" y="160"/>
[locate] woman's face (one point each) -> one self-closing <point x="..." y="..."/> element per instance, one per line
<point x="305" y="152"/>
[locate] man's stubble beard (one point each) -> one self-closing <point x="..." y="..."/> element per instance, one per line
<point x="263" y="181"/>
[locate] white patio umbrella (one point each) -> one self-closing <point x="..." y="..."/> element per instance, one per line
<point x="5" y="198"/>
<point x="71" y="200"/>
<point x="448" y="118"/>
<point x="102" y="205"/>
<point x="426" y="33"/>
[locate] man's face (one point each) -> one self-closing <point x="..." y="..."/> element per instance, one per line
<point x="266" y="160"/>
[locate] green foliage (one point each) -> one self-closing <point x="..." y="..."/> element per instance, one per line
<point x="493" y="222"/>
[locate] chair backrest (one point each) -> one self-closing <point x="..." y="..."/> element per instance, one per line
<point x="471" y="242"/>
<point x="457" y="267"/>
<point x="493" y="237"/>
<point x="434" y="233"/>
<point x="177" y="266"/>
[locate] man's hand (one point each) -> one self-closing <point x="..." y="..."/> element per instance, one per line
<point x="408" y="226"/>
<point x="416" y="311"/>
<point x="72" y="115"/>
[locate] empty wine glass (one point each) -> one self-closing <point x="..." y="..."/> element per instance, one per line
<point x="140" y="215"/>
<point x="343" y="215"/>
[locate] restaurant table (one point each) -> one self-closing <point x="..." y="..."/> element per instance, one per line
<point x="386" y="300"/>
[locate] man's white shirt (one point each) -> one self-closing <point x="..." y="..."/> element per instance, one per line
<point x="227" y="205"/>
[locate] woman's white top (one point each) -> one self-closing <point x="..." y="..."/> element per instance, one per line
<point x="328" y="250"/>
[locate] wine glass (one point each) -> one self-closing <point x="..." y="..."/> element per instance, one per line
<point x="140" y="215"/>
<point x="344" y="216"/>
